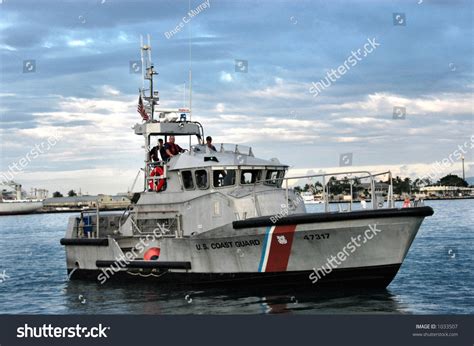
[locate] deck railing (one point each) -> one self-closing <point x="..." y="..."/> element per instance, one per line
<point x="85" y="225"/>
<point x="350" y="176"/>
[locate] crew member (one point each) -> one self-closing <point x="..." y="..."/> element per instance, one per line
<point x="155" y="150"/>
<point x="172" y="149"/>
<point x="164" y="156"/>
<point x="209" y="143"/>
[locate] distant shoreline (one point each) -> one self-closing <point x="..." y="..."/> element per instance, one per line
<point x="401" y="200"/>
<point x="76" y="210"/>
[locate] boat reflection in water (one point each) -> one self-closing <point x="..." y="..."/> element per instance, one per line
<point x="128" y="298"/>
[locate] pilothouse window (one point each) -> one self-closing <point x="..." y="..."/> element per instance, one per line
<point x="201" y="179"/>
<point x="274" y="177"/>
<point x="223" y="177"/>
<point x="250" y="176"/>
<point x="187" y="177"/>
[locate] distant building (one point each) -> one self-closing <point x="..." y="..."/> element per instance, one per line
<point x="38" y="193"/>
<point x="381" y="189"/>
<point x="378" y="186"/>
<point x="447" y="191"/>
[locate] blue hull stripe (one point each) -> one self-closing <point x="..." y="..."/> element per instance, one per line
<point x="264" y="249"/>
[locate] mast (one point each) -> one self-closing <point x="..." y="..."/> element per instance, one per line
<point x="190" y="75"/>
<point x="148" y="73"/>
<point x="168" y="121"/>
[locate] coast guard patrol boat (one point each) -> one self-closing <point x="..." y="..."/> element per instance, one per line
<point x="227" y="216"/>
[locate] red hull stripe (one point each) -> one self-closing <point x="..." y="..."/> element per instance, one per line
<point x="279" y="249"/>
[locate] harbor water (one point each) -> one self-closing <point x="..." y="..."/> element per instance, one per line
<point x="436" y="277"/>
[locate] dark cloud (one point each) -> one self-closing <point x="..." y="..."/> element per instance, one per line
<point x="79" y="46"/>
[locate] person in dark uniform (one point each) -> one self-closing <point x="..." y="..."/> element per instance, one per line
<point x="172" y="149"/>
<point x="209" y="143"/>
<point x="163" y="154"/>
<point x="155" y="150"/>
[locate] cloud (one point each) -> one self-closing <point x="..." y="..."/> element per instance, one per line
<point x="281" y="90"/>
<point x="226" y="77"/>
<point x="79" y="43"/>
<point x="445" y="103"/>
<point x="220" y="107"/>
<point x="7" y="47"/>
<point x="83" y="86"/>
<point x="108" y="90"/>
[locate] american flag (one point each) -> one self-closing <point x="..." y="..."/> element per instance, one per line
<point x="141" y="109"/>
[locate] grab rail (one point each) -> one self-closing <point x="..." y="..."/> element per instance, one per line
<point x="326" y="189"/>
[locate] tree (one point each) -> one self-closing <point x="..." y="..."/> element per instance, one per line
<point x="338" y="187"/>
<point x="415" y="186"/>
<point x="57" y="194"/>
<point x="452" y="180"/>
<point x="407" y="185"/>
<point x="318" y="186"/>
<point x="72" y="193"/>
<point x="400" y="186"/>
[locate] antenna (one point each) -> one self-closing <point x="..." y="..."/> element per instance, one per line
<point x="148" y="72"/>
<point x="184" y="95"/>
<point x="149" y="48"/>
<point x="143" y="69"/>
<point x="190" y="74"/>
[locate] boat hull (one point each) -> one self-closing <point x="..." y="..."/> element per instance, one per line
<point x="15" y="207"/>
<point x="362" y="248"/>
<point x="366" y="277"/>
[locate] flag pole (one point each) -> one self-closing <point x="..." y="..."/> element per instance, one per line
<point x="190" y="75"/>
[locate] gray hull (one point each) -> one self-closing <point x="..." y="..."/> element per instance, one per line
<point x="360" y="247"/>
<point x="19" y="207"/>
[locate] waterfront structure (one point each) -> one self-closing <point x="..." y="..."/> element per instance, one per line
<point x="101" y="201"/>
<point x="446" y="191"/>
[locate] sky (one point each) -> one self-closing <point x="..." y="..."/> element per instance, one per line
<point x="65" y="72"/>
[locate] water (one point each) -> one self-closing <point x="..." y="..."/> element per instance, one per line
<point x="436" y="278"/>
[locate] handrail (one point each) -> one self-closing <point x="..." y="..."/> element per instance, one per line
<point x="128" y="209"/>
<point x="135" y="225"/>
<point x="326" y="185"/>
<point x="283" y="182"/>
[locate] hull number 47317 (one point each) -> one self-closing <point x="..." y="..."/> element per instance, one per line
<point x="320" y="236"/>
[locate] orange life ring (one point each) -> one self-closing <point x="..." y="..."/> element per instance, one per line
<point x="152" y="254"/>
<point x="151" y="183"/>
